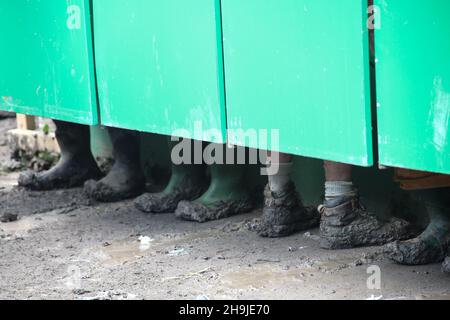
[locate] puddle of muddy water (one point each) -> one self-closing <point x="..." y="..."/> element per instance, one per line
<point x="24" y="225"/>
<point x="263" y="276"/>
<point x="118" y="253"/>
<point x="19" y="227"/>
<point x="7" y="182"/>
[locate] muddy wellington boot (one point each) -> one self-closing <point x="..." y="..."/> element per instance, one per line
<point x="346" y="224"/>
<point x="76" y="166"/>
<point x="227" y="196"/>
<point x="284" y="213"/>
<point x="433" y="244"/>
<point x="126" y="179"/>
<point x="188" y="183"/>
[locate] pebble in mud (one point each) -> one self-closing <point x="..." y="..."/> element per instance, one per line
<point x="8" y="217"/>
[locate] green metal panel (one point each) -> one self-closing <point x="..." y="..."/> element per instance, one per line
<point x="159" y="66"/>
<point x="300" y="66"/>
<point x="46" y="64"/>
<point x="413" y="84"/>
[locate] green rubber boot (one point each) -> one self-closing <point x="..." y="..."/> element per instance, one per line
<point x="226" y="196"/>
<point x="432" y="245"/>
<point x="188" y="182"/>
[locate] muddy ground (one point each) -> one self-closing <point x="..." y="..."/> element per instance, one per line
<point x="64" y="247"/>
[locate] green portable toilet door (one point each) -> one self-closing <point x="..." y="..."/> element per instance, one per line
<point x="159" y="66"/>
<point x="300" y="67"/>
<point x="413" y="84"/>
<point x="46" y="60"/>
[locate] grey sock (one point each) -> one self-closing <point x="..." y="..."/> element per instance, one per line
<point x="337" y="189"/>
<point x="279" y="181"/>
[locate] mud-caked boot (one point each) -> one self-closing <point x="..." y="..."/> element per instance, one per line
<point x="432" y="245"/>
<point x="187" y="183"/>
<point x="76" y="166"/>
<point x="345" y="224"/>
<point x="125" y="179"/>
<point x="226" y="196"/>
<point x="284" y="213"/>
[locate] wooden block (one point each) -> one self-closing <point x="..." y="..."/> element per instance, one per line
<point x="25" y="122"/>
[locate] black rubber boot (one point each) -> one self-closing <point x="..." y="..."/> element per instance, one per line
<point x="126" y="179"/>
<point x="76" y="166"/>
<point x="346" y="224"/>
<point x="188" y="183"/>
<point x="226" y="196"/>
<point x="432" y="245"/>
<point x="284" y="214"/>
